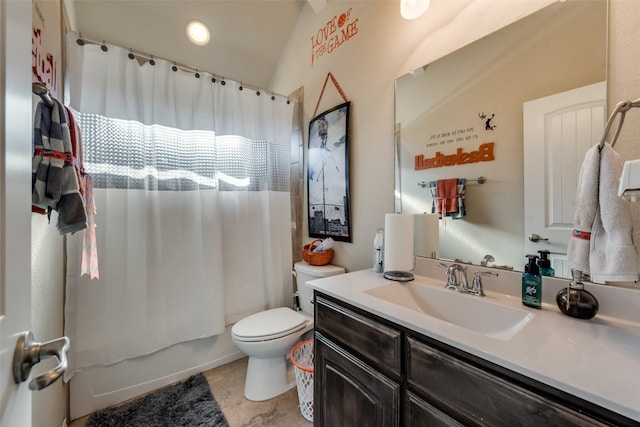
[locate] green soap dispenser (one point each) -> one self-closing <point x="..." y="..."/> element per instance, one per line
<point x="545" y="264"/>
<point x="532" y="283"/>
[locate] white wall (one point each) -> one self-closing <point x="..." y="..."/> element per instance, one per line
<point x="49" y="406"/>
<point x="387" y="47"/>
<point x="384" y="48"/>
<point x="47" y="302"/>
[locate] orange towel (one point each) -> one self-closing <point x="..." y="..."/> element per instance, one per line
<point x="447" y="190"/>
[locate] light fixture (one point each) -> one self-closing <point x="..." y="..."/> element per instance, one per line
<point x="411" y="9"/>
<point x="197" y="32"/>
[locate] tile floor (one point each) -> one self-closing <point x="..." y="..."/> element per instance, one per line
<point x="227" y="386"/>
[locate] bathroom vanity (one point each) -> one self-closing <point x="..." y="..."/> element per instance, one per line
<point x="416" y="354"/>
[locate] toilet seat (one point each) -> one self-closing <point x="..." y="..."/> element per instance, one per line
<point x="268" y="325"/>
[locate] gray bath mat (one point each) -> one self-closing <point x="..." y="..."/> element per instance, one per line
<point x="188" y="403"/>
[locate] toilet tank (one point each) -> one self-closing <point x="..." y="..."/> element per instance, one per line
<point x="305" y="272"/>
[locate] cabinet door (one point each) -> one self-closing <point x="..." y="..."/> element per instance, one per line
<point x="421" y="414"/>
<point x="349" y="393"/>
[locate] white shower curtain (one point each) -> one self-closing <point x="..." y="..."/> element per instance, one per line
<point x="191" y="187"/>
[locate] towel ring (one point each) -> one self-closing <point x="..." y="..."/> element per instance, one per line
<point x="621" y="108"/>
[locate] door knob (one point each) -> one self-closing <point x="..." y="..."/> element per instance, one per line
<point x="28" y="352"/>
<point x="536" y="238"/>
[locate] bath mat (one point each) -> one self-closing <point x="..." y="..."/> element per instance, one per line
<point x="188" y="403"/>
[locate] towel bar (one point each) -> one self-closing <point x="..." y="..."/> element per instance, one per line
<point x="479" y="180"/>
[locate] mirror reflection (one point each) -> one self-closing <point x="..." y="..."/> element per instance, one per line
<point x="461" y="117"/>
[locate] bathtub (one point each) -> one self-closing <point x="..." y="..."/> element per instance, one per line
<point x="103" y="386"/>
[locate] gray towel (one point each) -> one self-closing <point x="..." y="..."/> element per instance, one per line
<point x="54" y="180"/>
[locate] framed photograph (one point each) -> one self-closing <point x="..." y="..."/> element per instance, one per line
<point x="328" y="175"/>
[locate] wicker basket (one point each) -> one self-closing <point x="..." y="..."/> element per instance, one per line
<point x="316" y="258"/>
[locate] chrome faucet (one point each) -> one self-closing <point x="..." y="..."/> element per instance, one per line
<point x="457" y="280"/>
<point x="457" y="277"/>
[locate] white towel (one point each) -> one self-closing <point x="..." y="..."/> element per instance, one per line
<point x="601" y="242"/>
<point x="585" y="211"/>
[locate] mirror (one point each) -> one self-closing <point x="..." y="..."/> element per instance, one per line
<point x="462" y="117"/>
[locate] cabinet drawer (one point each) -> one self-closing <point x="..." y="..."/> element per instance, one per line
<point x="479" y="397"/>
<point x="421" y="413"/>
<point x="377" y="342"/>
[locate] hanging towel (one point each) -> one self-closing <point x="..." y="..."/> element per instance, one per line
<point x="447" y="197"/>
<point x="89" y="264"/>
<point x="601" y="243"/>
<point x="54" y="180"/>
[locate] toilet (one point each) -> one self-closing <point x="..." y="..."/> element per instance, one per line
<point x="267" y="337"/>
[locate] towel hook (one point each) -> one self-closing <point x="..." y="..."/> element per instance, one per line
<point x="41" y="90"/>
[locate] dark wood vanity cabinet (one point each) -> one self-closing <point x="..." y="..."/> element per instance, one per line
<point x="371" y="372"/>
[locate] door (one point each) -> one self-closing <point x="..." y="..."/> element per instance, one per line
<point x="15" y="202"/>
<point x="350" y="393"/>
<point x="558" y="130"/>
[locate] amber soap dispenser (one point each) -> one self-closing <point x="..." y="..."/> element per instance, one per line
<point x="574" y="301"/>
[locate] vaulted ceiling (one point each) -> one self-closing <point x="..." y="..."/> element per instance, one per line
<point x="247" y="36"/>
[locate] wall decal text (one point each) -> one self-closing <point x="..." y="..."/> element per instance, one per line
<point x="337" y="31"/>
<point x="484" y="153"/>
<point x="43" y="64"/>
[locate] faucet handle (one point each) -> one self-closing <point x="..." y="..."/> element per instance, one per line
<point x="476" y="287"/>
<point x="487" y="259"/>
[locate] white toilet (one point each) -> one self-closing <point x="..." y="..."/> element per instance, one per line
<point x="268" y="337"/>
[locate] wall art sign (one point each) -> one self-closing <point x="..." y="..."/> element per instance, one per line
<point x="462" y="156"/>
<point x="484" y="153"/>
<point x="336" y="32"/>
<point x="43" y="64"/>
<point x="328" y="175"/>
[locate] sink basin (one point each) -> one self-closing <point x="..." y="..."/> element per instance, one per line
<point x="478" y="314"/>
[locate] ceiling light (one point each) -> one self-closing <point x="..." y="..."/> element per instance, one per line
<point x="411" y="9"/>
<point x="197" y="32"/>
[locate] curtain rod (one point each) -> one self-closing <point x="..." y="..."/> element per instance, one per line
<point x="176" y="66"/>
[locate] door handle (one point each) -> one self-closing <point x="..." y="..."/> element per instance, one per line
<point x="28" y="352"/>
<point x="536" y="238"/>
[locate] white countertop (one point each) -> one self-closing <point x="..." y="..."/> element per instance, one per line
<point x="597" y="360"/>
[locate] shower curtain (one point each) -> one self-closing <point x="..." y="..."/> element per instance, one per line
<point x="191" y="187"/>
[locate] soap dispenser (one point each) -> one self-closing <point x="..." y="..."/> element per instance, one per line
<point x="574" y="301"/>
<point x="532" y="283"/>
<point x="545" y="264"/>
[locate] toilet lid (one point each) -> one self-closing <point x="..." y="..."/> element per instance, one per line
<point x="269" y="324"/>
